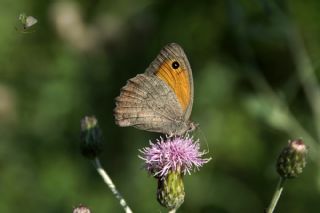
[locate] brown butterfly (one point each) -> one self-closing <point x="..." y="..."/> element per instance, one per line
<point x="160" y="99"/>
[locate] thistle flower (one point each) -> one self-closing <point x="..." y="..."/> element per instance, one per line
<point x="173" y="154"/>
<point x="81" y="209"/>
<point x="292" y="159"/>
<point x="290" y="164"/>
<point x="169" y="160"/>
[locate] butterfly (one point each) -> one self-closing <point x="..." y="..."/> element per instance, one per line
<point x="26" y="22"/>
<point x="160" y="99"/>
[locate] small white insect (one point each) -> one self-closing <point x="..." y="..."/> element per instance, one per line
<point x="27" y="21"/>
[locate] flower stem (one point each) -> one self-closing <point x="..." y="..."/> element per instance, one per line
<point x="276" y="195"/>
<point x="108" y="181"/>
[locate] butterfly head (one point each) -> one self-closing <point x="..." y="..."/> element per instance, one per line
<point x="182" y="127"/>
<point x="192" y="126"/>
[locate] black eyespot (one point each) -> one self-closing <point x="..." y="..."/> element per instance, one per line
<point x="175" y="65"/>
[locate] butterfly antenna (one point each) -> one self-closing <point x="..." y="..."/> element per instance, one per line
<point x="201" y="133"/>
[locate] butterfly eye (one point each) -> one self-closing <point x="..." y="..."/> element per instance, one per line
<point x="175" y="65"/>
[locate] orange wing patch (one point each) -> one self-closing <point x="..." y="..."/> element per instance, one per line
<point x="177" y="79"/>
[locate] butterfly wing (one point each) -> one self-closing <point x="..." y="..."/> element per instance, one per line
<point x="147" y="103"/>
<point x="172" y="66"/>
<point x="160" y="100"/>
<point x="30" y="21"/>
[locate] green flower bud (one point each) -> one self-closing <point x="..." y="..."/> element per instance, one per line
<point x="170" y="193"/>
<point x="91" y="137"/>
<point x="292" y="159"/>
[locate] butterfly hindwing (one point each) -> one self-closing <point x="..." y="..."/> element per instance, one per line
<point x="146" y="103"/>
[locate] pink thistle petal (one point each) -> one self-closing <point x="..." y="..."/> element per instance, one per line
<point x="173" y="154"/>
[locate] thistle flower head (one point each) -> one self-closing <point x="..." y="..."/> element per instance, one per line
<point x="170" y="191"/>
<point x="81" y="209"/>
<point x="91" y="137"/>
<point x="180" y="154"/>
<point x="292" y="159"/>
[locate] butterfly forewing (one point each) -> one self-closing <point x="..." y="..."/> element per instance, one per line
<point x="172" y="66"/>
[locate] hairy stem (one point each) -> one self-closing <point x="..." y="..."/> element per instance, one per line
<point x="108" y="181"/>
<point x="276" y="196"/>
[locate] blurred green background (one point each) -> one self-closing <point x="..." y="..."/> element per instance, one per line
<point x="255" y="66"/>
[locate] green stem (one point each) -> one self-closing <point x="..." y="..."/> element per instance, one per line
<point x="276" y="195"/>
<point x="110" y="184"/>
